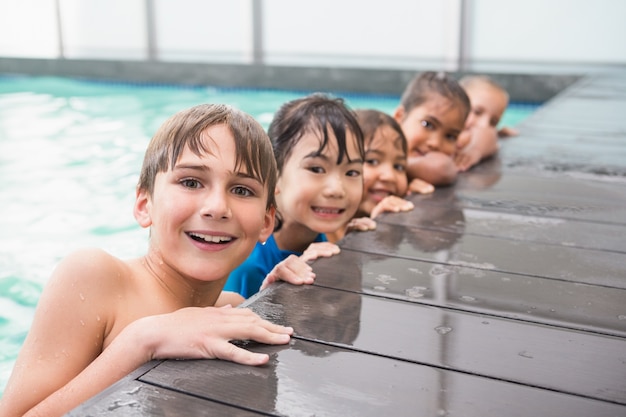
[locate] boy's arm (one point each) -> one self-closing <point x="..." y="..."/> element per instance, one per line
<point x="188" y="333"/>
<point x="435" y="168"/>
<point x="66" y="335"/>
<point x="62" y="363"/>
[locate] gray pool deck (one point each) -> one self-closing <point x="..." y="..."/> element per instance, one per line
<point x="503" y="295"/>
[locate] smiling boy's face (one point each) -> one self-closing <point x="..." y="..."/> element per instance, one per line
<point x="434" y="125"/>
<point x="205" y="215"/>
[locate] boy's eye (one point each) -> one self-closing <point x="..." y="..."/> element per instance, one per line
<point x="353" y="173"/>
<point x="190" y="183"/>
<point x="373" y="162"/>
<point x="426" y="124"/>
<point x="242" y="191"/>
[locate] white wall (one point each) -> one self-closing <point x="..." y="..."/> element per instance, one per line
<point x="554" y="31"/>
<point x="504" y="35"/>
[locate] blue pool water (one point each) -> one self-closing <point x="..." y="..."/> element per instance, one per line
<point x="70" y="154"/>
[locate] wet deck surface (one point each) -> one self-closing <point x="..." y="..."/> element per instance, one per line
<point x="504" y="295"/>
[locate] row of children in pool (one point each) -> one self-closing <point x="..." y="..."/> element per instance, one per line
<point x="212" y="188"/>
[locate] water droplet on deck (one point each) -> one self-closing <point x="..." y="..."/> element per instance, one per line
<point x="385" y="279"/>
<point x="485" y="322"/>
<point x="442" y="413"/>
<point x="380" y="288"/>
<point x="415" y="292"/>
<point x="133" y="391"/>
<point x="525" y="354"/>
<point x="443" y="329"/>
<point x="468" y="298"/>
<point x="119" y="404"/>
<point x="622" y="317"/>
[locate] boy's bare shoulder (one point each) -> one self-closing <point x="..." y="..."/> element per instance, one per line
<point x="92" y="266"/>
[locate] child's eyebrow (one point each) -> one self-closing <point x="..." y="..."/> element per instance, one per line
<point x="195" y="167"/>
<point x="320" y="155"/>
<point x="316" y="154"/>
<point x="206" y="168"/>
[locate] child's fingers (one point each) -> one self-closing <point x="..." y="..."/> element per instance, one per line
<point x="420" y="186"/>
<point x="263" y="332"/>
<point x="319" y="249"/>
<point x="293" y="270"/>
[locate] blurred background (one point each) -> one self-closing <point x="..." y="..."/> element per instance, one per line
<point x="532" y="46"/>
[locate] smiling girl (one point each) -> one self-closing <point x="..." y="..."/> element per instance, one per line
<point x="318" y="146"/>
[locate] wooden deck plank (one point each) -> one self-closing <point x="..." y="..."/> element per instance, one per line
<point x="454" y="218"/>
<point x="137" y="399"/>
<point x="533" y="299"/>
<point x="298" y="382"/>
<point x="589" y="365"/>
<point x="553" y="195"/>
<point x="491" y="254"/>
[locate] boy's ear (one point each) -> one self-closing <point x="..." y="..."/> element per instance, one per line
<point x="268" y="224"/>
<point x="142" y="208"/>
<point x="398" y="114"/>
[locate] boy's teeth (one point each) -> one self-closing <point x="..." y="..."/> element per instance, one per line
<point x="213" y="239"/>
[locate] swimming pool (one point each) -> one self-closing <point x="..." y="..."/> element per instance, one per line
<point x="70" y="154"/>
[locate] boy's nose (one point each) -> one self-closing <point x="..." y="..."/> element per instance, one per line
<point x="216" y="206"/>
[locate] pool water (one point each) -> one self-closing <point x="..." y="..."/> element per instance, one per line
<point x="70" y="154"/>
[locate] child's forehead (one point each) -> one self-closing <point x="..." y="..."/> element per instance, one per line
<point x="312" y="144"/>
<point x="384" y="136"/>
<point x="438" y="105"/>
<point x="213" y="142"/>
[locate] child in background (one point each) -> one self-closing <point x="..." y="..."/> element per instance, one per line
<point x="384" y="172"/>
<point x="432" y="114"/>
<point x="206" y="191"/>
<point x="318" y="146"/>
<point x="488" y="102"/>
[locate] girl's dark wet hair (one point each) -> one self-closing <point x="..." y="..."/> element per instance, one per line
<point x="371" y="120"/>
<point x="316" y="113"/>
<point x="186" y="129"/>
<point x="427" y="83"/>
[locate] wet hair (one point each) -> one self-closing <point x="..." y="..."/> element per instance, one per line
<point x="469" y="80"/>
<point x="371" y="120"/>
<point x="427" y="83"/>
<point x="186" y="128"/>
<point x="315" y="113"/>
